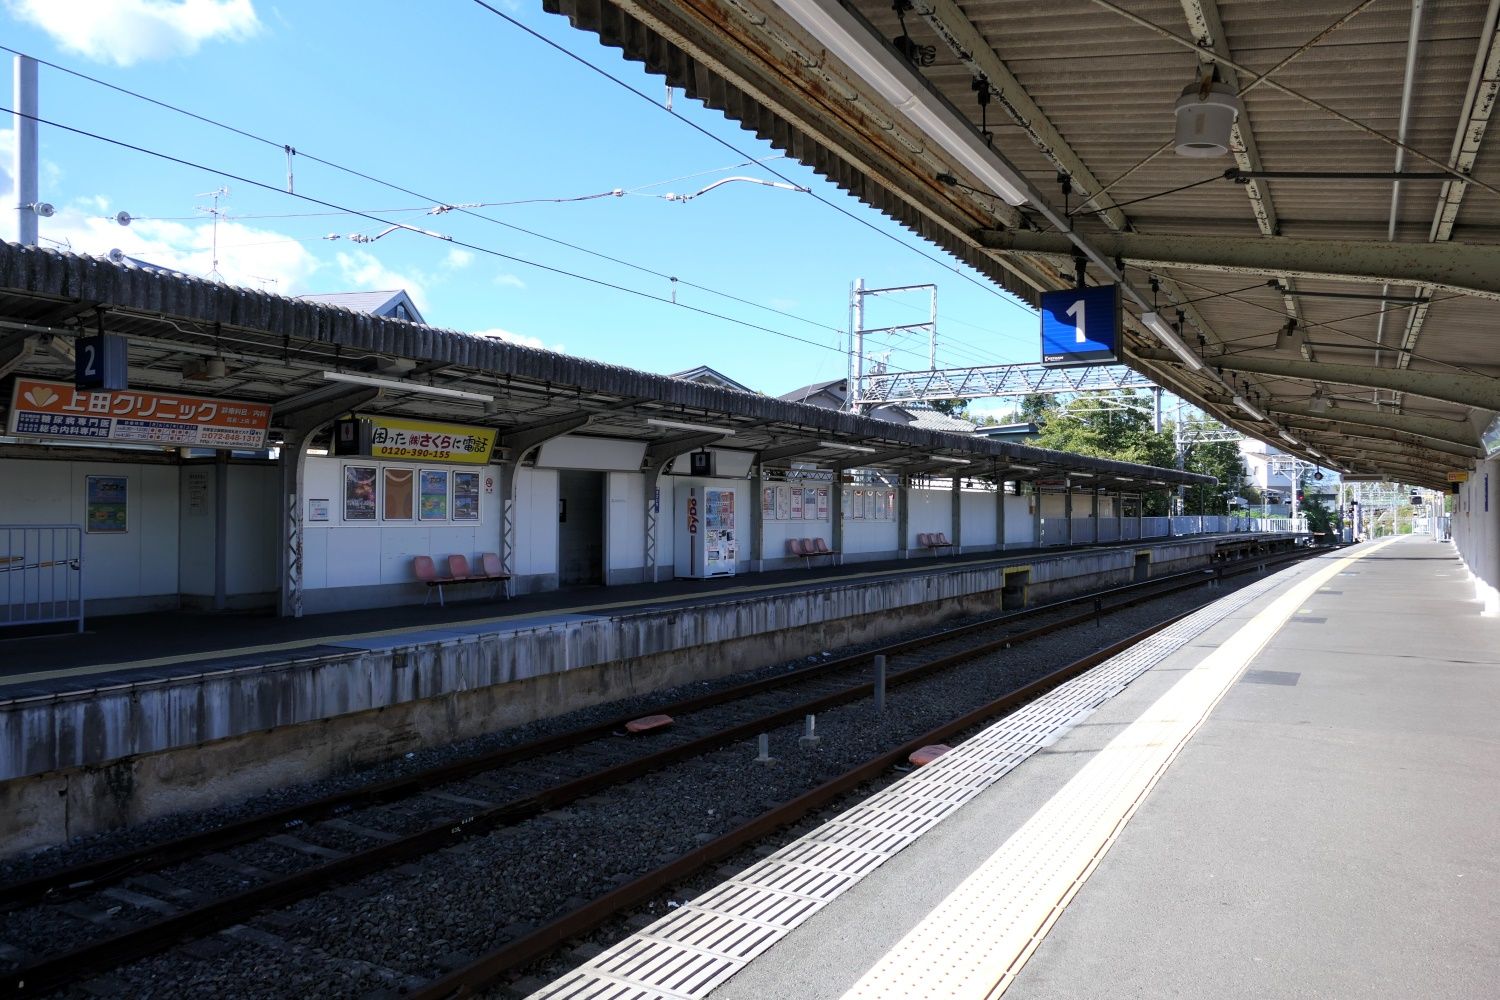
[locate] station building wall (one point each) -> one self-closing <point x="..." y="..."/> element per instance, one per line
<point x="1476" y="532"/>
<point x="164" y="559"/>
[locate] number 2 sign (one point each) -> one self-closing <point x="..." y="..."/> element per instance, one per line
<point x="1081" y="326"/>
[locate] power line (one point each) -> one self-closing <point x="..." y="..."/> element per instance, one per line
<point x="239" y="179"/>
<point x="728" y="145"/>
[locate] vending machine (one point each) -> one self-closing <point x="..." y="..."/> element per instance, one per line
<point x="706" y="535"/>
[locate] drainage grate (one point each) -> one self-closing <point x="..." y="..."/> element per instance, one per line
<point x="700" y="945"/>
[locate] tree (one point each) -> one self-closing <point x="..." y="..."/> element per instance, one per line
<point x="950" y="407"/>
<point x="1220" y="459"/>
<point x="1094" y="424"/>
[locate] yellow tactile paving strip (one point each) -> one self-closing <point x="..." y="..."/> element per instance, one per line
<point x="974" y="943"/>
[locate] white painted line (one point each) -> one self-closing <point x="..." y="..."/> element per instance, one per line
<point x="974" y="943"/>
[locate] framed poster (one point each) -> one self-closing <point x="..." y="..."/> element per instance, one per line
<point x="796" y="503"/>
<point x="359" y="492"/>
<point x="869" y="505"/>
<point x="108" y="500"/>
<point x="847" y="505"/>
<point x="858" y="510"/>
<point x="822" y="503"/>
<point x="810" y="503"/>
<point x="890" y="504"/>
<point x="466" y="496"/>
<point x="433" y="493"/>
<point x="318" y="508"/>
<point x="396" y="500"/>
<point x="783" y="503"/>
<point x="768" y="503"/>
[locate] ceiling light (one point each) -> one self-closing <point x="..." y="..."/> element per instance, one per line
<point x="945" y="458"/>
<point x="400" y="386"/>
<point x="1080" y="475"/>
<point x="875" y="64"/>
<point x="1163" y="330"/>
<point x="1240" y="402"/>
<point x="1156" y="482"/>
<point x="1314" y="451"/>
<point x="1287" y="437"/>
<point x="1123" y="479"/>
<point x="847" y="447"/>
<point x="679" y="425"/>
<point x="1020" y="468"/>
<point x="1205" y="118"/>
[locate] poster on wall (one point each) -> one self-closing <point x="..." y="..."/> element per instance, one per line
<point x="433" y="490"/>
<point x="796" y="503"/>
<point x="466" y="496"/>
<point x="890" y="505"/>
<point x="846" y="504"/>
<point x="810" y="503"/>
<point x="359" y="492"/>
<point x="108" y="500"/>
<point x="869" y="505"/>
<point x="857" y="511"/>
<point x="319" y="508"/>
<point x="397" y="500"/>
<point x="768" y="503"/>
<point x="783" y="503"/>
<point x="822" y="503"/>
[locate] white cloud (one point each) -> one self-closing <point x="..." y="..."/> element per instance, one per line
<point x="125" y="32"/>
<point x="509" y="281"/>
<point x="458" y="258"/>
<point x="496" y="333"/>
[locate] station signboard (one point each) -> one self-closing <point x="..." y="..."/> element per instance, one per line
<point x="1081" y="326"/>
<point x="135" y="416"/>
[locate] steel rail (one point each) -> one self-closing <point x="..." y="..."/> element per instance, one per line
<point x="93" y="875"/>
<point x="61" y="969"/>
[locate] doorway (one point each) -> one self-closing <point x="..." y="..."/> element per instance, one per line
<point x="580" y="528"/>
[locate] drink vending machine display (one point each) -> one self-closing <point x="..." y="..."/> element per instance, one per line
<point x="706" y="534"/>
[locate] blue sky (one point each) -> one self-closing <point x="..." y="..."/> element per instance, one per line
<point x="450" y="101"/>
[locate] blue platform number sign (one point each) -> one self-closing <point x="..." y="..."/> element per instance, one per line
<point x="1081" y="326"/>
<point x="100" y="362"/>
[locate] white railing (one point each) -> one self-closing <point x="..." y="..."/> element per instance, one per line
<point x="41" y="574"/>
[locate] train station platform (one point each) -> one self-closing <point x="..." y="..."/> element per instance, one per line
<point x="1290" y="793"/>
<point x="159" y="713"/>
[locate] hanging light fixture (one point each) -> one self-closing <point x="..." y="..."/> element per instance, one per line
<point x="1205" y="116"/>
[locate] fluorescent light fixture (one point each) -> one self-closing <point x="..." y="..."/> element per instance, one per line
<point x="847" y="447"/>
<point x="1314" y="451"/>
<point x="945" y="458"/>
<point x="1020" y="468"/>
<point x="1122" y="479"/>
<point x="1242" y="404"/>
<point x="1080" y="475"/>
<point x="1287" y="437"/>
<point x="1163" y="330"/>
<point x="401" y="386"/>
<point x="679" y="425"/>
<point x="874" y="62"/>
<point x="1157" y="482"/>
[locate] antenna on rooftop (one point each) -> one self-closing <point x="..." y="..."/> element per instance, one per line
<point x="215" y="211"/>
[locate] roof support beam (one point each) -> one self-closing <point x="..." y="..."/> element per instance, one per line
<point x="514" y="442"/>
<point x="1467" y="268"/>
<point x="1458" y="432"/>
<point x="664" y="451"/>
<point x="1375" y="439"/>
<point x="1449" y="387"/>
<point x="786" y="451"/>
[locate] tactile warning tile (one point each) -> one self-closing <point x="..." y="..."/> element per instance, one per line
<point x="703" y="943"/>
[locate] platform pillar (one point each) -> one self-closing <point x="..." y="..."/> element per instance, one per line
<point x="651" y="487"/>
<point x="1140" y="516"/>
<point x="957" y="515"/>
<point x="221" y="530"/>
<point x="836" y="510"/>
<point x="1068" y="507"/>
<point x="903" y="520"/>
<point x="1036" y="515"/>
<point x="757" y="523"/>
<point x="1000" y="514"/>
<point x="1094" y="512"/>
<point x="1119" y="517"/>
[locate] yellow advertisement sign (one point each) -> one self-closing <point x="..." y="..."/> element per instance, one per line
<point x="392" y="437"/>
<point x="1458" y="477"/>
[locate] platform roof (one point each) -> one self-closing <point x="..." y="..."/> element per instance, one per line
<point x="1400" y="385"/>
<point x="276" y="349"/>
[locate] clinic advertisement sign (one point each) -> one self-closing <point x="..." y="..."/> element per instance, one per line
<point x="135" y="416"/>
<point x="1081" y="326"/>
<point x="428" y="442"/>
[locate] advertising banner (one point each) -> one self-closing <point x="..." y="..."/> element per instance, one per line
<point x="135" y="416"/>
<point x="392" y="437"/>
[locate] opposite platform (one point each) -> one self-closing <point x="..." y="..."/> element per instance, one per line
<point x="1294" y="799"/>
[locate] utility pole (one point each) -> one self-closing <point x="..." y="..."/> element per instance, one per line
<point x="24" y="119"/>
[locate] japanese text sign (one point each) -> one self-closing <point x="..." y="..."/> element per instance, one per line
<point x="393" y="438"/>
<point x="136" y="416"/>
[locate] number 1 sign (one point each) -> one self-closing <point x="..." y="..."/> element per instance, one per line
<point x="1081" y="326"/>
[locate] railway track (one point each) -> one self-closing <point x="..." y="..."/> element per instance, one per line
<point x="157" y="894"/>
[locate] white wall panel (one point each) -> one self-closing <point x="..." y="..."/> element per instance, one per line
<point x="625" y="525"/>
<point x="536" y="521"/>
<point x="931" y="511"/>
<point x="978" y="512"/>
<point x="576" y="451"/>
<point x="1019" y="527"/>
